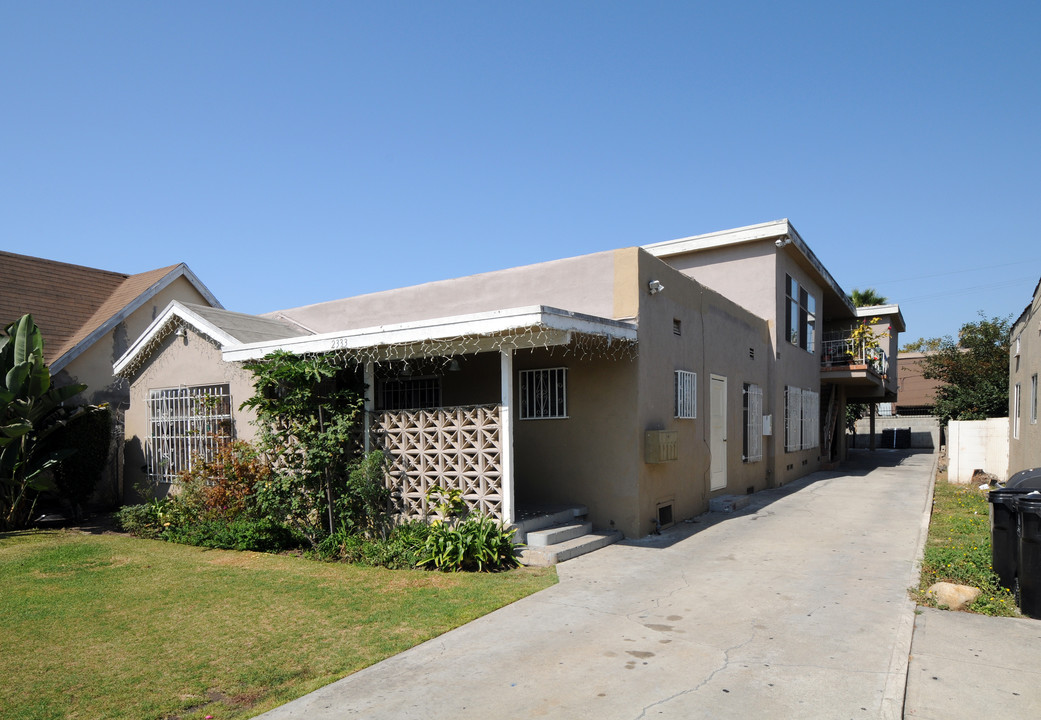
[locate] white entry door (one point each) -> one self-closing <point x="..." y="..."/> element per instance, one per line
<point x="717" y="441"/>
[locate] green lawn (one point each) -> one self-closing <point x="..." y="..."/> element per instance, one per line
<point x="109" y="626"/>
<point x="958" y="548"/>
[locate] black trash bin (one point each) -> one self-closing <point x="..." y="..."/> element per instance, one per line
<point x="1029" y="509"/>
<point x="1029" y="478"/>
<point x="1004" y="537"/>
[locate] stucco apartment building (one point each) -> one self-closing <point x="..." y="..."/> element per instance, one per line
<point x="639" y="383"/>
<point x="1024" y="447"/>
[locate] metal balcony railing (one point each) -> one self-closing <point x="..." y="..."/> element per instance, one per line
<point x="840" y="353"/>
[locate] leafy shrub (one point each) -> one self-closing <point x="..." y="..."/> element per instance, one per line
<point x="241" y="533"/>
<point x="476" y="543"/>
<point x="221" y="488"/>
<point x="364" y="500"/>
<point x="77" y="475"/>
<point x="400" y="550"/>
<point x="143" y="520"/>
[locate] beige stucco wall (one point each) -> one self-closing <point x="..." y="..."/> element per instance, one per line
<point x="94" y="366"/>
<point x="193" y="360"/>
<point x="1025" y="451"/>
<point x="716" y="336"/>
<point x="581" y="284"/>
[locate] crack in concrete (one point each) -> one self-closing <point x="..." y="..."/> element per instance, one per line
<point x="721" y="668"/>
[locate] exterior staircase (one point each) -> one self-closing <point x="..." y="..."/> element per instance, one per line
<point x="552" y="535"/>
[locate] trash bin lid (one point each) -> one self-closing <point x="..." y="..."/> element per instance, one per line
<point x="1029" y="503"/>
<point x="1029" y="478"/>
<point x="1007" y="495"/>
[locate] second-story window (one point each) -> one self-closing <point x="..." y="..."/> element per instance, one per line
<point x="800" y="315"/>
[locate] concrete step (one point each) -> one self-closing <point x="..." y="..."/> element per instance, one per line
<point x="558" y="533"/>
<point x="558" y="553"/>
<point x="545" y="518"/>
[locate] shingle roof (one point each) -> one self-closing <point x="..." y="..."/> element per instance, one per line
<point x="68" y="302"/>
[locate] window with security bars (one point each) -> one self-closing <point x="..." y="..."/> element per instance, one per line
<point x="801" y="419"/>
<point x="409" y="393"/>
<point x="543" y="394"/>
<point x="186" y="425"/>
<point x="686" y="394"/>
<point x="752" y="447"/>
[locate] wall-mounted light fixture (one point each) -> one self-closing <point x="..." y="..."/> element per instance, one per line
<point x="782" y="241"/>
<point x="181" y="333"/>
<point x="655" y="287"/>
<point x="454" y="366"/>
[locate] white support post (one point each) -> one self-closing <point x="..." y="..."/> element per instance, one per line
<point x="370" y="405"/>
<point x="506" y="430"/>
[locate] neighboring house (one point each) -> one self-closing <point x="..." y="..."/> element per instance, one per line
<point x="640" y="382"/>
<point x="1024" y="366"/>
<point x="88" y="318"/>
<point x="917" y="393"/>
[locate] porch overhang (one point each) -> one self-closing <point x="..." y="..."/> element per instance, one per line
<point x="515" y="328"/>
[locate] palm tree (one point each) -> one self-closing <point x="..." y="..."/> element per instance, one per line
<point x="866" y="298"/>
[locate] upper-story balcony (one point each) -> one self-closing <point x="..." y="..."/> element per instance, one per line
<point x="864" y="369"/>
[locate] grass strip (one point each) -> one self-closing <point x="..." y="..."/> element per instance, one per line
<point x="958" y="548"/>
<point x="118" y="627"/>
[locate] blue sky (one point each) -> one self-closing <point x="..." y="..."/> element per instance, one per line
<point x="292" y="153"/>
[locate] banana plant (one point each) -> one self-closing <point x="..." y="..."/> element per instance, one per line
<point x="31" y="409"/>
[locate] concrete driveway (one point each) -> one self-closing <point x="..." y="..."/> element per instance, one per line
<point x="795" y="607"/>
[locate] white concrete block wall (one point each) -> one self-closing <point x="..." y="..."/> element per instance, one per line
<point x="977" y="445"/>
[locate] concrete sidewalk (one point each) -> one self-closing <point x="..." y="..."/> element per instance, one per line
<point x="973" y="666"/>
<point x="795" y="607"/>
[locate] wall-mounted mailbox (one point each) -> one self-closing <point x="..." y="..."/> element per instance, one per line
<point x="660" y="446"/>
<point x="768" y="424"/>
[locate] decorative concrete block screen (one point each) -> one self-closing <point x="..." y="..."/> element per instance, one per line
<point x="453" y="447"/>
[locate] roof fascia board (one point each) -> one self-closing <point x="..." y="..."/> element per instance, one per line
<point x="174" y="310"/>
<point x="471" y="325"/>
<point x="181" y="270"/>
<point x="721" y="238"/>
<point x="892" y="311"/>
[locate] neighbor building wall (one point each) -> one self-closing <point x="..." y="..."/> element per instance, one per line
<point x="1025" y="371"/>
<point x="180" y="362"/>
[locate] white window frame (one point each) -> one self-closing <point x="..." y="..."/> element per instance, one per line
<point x="1033" y="399"/>
<point x="753" y="411"/>
<point x="686" y="387"/>
<point x="543" y="394"/>
<point x="186" y="425"/>
<point x="1015" y="413"/>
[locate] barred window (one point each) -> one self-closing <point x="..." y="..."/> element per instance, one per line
<point x="543" y="394"/>
<point x="752" y="447"/>
<point x="186" y="425"/>
<point x="801" y="419"/>
<point x="686" y="386"/>
<point x="409" y="393"/>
